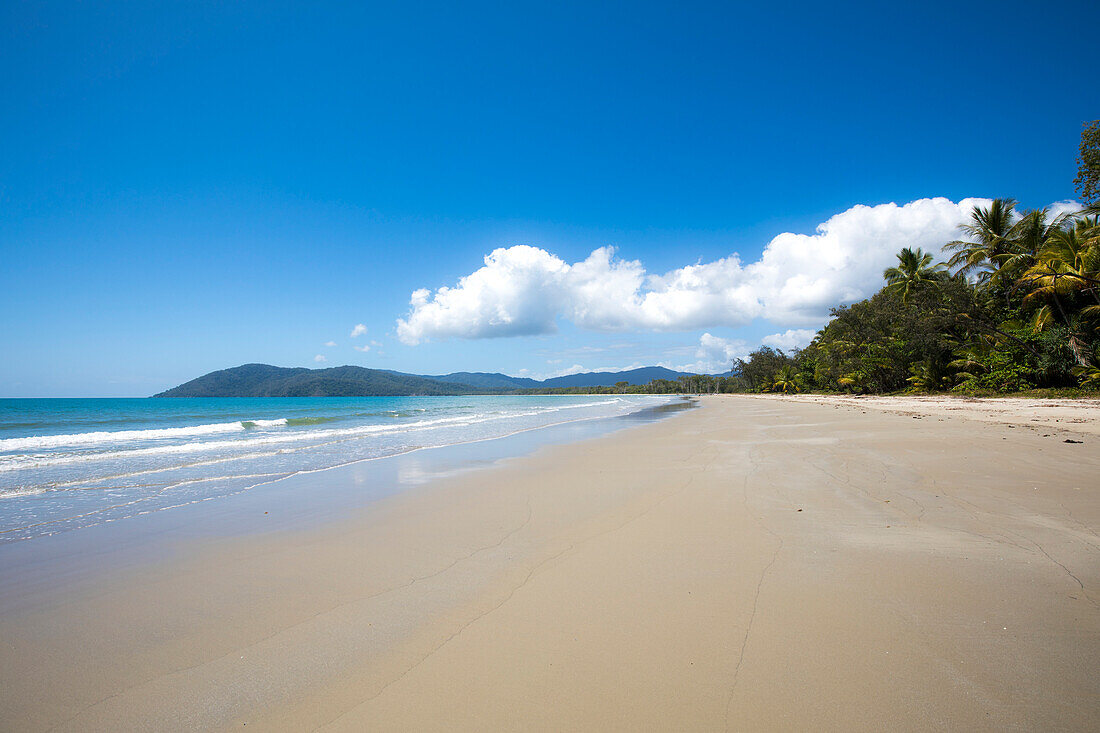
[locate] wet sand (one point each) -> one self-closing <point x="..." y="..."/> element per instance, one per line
<point x="757" y="564"/>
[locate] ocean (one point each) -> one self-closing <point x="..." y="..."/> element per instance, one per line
<point x="71" y="463"/>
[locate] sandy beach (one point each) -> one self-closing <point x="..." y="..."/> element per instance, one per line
<point x="758" y="563"/>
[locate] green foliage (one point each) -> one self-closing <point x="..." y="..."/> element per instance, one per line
<point x="1021" y="311"/>
<point x="787" y="380"/>
<point x="914" y="270"/>
<point x="1087" y="182"/>
<point x="999" y="373"/>
<point x="929" y="376"/>
<point x="988" y="234"/>
<point x="759" y="371"/>
<point x="876" y="345"/>
<point x="1089" y="373"/>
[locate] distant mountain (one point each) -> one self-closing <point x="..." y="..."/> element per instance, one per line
<point x="645" y="375"/>
<point x="485" y="380"/>
<point x="263" y="380"/>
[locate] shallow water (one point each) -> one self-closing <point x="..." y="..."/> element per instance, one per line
<point x="69" y="463"/>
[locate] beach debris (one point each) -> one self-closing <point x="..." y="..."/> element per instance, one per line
<point x="1067" y="440"/>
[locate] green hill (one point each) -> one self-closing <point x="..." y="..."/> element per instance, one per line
<point x="263" y="380"/>
<point x="644" y="375"/>
<point x="487" y="381"/>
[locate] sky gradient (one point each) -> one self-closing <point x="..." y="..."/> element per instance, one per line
<point x="190" y="186"/>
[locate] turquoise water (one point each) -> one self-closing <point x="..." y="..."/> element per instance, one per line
<point x="70" y="463"/>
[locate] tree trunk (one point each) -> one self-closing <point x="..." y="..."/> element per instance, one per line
<point x="1078" y="350"/>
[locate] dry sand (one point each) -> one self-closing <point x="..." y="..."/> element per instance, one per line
<point x="758" y="564"/>
<point x="1076" y="415"/>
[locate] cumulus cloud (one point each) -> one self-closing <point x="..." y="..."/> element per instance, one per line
<point x="524" y="290"/>
<point x="330" y="344"/>
<point x="715" y="355"/>
<point x="792" y="338"/>
<point x="575" y="369"/>
<point x="359" y="330"/>
<point x="1065" y="207"/>
<point x="364" y="348"/>
<point x="319" y="358"/>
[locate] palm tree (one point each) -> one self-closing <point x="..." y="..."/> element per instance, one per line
<point x="970" y="360"/>
<point x="1068" y="265"/>
<point x="927" y="376"/>
<point x="989" y="237"/>
<point x="914" y="269"/>
<point x="1026" y="239"/>
<point x="786" y="380"/>
<point x="1069" y="262"/>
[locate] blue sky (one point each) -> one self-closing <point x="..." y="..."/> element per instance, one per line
<point x="190" y="186"/>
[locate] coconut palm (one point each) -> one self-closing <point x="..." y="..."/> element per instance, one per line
<point x="928" y="375"/>
<point x="1026" y="239"/>
<point x="1067" y="266"/>
<point x="1068" y="263"/>
<point x="914" y="269"/>
<point x="989" y="239"/>
<point x="786" y="380"/>
<point x="969" y="360"/>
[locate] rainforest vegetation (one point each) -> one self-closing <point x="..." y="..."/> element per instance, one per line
<point x="1016" y="306"/>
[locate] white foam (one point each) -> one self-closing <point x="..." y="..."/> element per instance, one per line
<point x="98" y="479"/>
<point x="21" y="462"/>
<point x="277" y="423"/>
<point x="254" y="437"/>
<point x="45" y="442"/>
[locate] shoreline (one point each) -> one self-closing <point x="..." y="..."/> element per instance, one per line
<point x="89" y="553"/>
<point x="759" y="563"/>
<point x="80" y="520"/>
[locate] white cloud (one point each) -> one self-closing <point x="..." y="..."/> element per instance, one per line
<point x="792" y="338"/>
<point x="364" y="348"/>
<point x="523" y="290"/>
<point x="580" y="368"/>
<point x="359" y="330"/>
<point x="1064" y="207"/>
<point x="714" y="355"/>
<point x="575" y="369"/>
<point x="520" y="291"/>
<point x="319" y="358"/>
<point x="330" y="344"/>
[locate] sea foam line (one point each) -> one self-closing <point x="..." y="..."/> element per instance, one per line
<point x="39" y="442"/>
<point x="46" y="442"/>
<point x="23" y="462"/>
<point x="280" y="477"/>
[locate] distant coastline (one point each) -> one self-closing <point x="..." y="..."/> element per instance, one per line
<point x="264" y="380"/>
